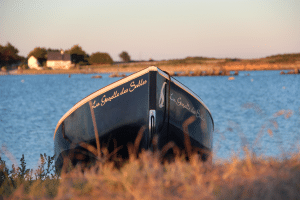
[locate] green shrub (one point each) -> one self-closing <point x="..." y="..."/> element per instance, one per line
<point x="100" y="58"/>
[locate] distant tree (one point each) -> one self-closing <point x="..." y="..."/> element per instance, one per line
<point x="9" y="55"/>
<point x="39" y="53"/>
<point x="53" y="50"/>
<point x="125" y="56"/>
<point x="100" y="58"/>
<point x="76" y="49"/>
<point x="78" y="55"/>
<point x="2" y="57"/>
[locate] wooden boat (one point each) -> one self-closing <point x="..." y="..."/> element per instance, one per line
<point x="145" y="105"/>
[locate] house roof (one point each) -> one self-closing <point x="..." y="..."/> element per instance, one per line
<point x="58" y="56"/>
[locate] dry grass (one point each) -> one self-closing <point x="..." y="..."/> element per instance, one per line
<point x="147" y="177"/>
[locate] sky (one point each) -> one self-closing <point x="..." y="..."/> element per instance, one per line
<point x="156" y="29"/>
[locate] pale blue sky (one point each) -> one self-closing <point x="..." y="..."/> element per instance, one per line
<point x="158" y="29"/>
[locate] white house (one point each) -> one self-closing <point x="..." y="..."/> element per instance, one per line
<point x="33" y="63"/>
<point x="59" y="60"/>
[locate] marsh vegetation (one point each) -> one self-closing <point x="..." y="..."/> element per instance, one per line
<point x="146" y="177"/>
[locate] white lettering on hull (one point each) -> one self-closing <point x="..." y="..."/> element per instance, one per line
<point x="132" y="87"/>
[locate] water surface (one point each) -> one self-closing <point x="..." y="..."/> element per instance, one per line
<point x="243" y="110"/>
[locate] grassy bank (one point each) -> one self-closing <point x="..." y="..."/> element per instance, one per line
<point x="147" y="178"/>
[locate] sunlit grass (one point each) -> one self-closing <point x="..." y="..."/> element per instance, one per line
<point x="146" y="177"/>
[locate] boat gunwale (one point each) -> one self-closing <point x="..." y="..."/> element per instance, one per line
<point x="125" y="80"/>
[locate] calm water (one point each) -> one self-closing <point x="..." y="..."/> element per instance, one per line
<point x="243" y="110"/>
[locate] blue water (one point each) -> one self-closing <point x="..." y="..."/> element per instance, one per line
<point x="243" y="110"/>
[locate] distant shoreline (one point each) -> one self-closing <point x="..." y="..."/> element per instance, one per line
<point x="131" y="68"/>
<point x="188" y="65"/>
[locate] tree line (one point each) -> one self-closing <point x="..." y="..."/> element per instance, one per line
<point x="9" y="56"/>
